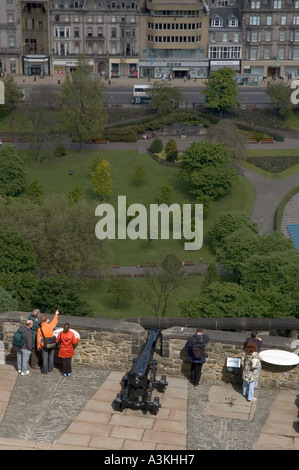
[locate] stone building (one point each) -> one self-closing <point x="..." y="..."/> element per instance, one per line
<point x="10" y="37"/>
<point x="225" y="35"/>
<point x="106" y="32"/>
<point x="173" y="39"/>
<point x="271" y="37"/>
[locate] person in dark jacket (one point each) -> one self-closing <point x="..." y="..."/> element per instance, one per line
<point x="35" y="355"/>
<point x="197" y="362"/>
<point x="24" y="352"/>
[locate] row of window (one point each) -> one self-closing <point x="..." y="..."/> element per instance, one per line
<point x="181" y="39"/>
<point x="267" y="36"/>
<point x="66" y="32"/>
<point x="173" y="25"/>
<point x="256" y="53"/>
<point x="225" y="52"/>
<point x="256" y="20"/>
<point x="277" y="4"/>
<point x="95" y="4"/>
<point x="68" y="48"/>
<point x="93" y="19"/>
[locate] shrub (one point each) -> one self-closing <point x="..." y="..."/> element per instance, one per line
<point x="171" y="150"/>
<point x="59" y="150"/>
<point x="156" y="146"/>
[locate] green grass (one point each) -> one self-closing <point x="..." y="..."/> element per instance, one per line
<point x="103" y="303"/>
<point x="53" y="174"/>
<point x="293" y="121"/>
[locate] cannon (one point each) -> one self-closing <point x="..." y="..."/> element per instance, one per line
<point x="139" y="383"/>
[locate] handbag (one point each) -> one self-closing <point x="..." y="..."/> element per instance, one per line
<point x="50" y="342"/>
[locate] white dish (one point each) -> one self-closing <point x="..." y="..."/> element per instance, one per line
<point x="279" y="357"/>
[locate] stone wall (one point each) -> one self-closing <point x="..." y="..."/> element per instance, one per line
<point x="112" y="344"/>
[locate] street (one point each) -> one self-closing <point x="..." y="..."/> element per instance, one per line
<point x="247" y="95"/>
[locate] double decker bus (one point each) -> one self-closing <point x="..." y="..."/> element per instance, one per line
<point x="140" y="95"/>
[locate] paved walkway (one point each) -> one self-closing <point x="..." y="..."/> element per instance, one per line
<point x="74" y="413"/>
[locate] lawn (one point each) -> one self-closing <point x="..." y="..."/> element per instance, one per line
<point x="53" y="174"/>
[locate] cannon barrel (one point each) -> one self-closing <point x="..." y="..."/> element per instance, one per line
<point x="138" y="373"/>
<point x="138" y="384"/>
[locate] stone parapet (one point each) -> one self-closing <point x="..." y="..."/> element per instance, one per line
<point x="112" y="344"/>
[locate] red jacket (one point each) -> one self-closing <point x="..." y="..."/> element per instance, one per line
<point x="67" y="341"/>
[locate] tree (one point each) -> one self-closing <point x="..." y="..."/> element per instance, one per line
<point x="139" y="175"/>
<point x="221" y="90"/>
<point x="171" y="150"/>
<point x="160" y="282"/>
<point x="82" y="102"/>
<point x="35" y="192"/>
<point x="226" y="132"/>
<point x="228" y="299"/>
<point x="227" y="223"/>
<point x="280" y="96"/>
<point x="12" y="171"/>
<point x="13" y="93"/>
<point x="62" y="235"/>
<point x="59" y="292"/>
<point x="7" y="302"/>
<point x="120" y="288"/>
<point x="76" y="195"/>
<point x="204" y="166"/>
<point x="101" y="180"/>
<point x="211" y="275"/>
<point x="34" y="121"/>
<point x="17" y="267"/>
<point x="165" y="193"/>
<point x="165" y="97"/>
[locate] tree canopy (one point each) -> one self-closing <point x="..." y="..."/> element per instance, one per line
<point x="221" y="90"/>
<point x="165" y="97"/>
<point x="82" y="101"/>
<point x="205" y="166"/>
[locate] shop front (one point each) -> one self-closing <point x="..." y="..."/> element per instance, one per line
<point x="123" y="67"/>
<point x="159" y="69"/>
<point x="219" y="64"/>
<point x="36" y="65"/>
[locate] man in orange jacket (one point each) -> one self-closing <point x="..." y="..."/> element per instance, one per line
<point x="46" y="331"/>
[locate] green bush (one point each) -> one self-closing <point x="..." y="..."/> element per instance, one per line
<point x="171" y="150"/>
<point x="156" y="146"/>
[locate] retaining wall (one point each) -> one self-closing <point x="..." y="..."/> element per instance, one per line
<point x="112" y="344"/>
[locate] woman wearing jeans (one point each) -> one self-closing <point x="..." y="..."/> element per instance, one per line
<point x="251" y="365"/>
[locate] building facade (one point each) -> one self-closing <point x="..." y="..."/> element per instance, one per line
<point x="173" y="39"/>
<point x="10" y="37"/>
<point x="150" y="38"/>
<point x="271" y="38"/>
<point x="106" y="31"/>
<point x="225" y="35"/>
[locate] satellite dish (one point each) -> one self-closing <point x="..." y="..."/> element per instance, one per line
<point x="279" y="357"/>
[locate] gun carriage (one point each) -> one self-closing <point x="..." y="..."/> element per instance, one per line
<point x="139" y="383"/>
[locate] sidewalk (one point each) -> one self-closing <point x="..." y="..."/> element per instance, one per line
<point x="75" y="413"/>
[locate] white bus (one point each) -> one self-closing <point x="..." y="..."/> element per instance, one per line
<point x="140" y="95"/>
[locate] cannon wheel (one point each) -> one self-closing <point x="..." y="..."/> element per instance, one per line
<point x="155" y="406"/>
<point x="117" y="403"/>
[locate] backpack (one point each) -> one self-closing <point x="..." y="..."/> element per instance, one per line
<point x="197" y="349"/>
<point x="18" y="339"/>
